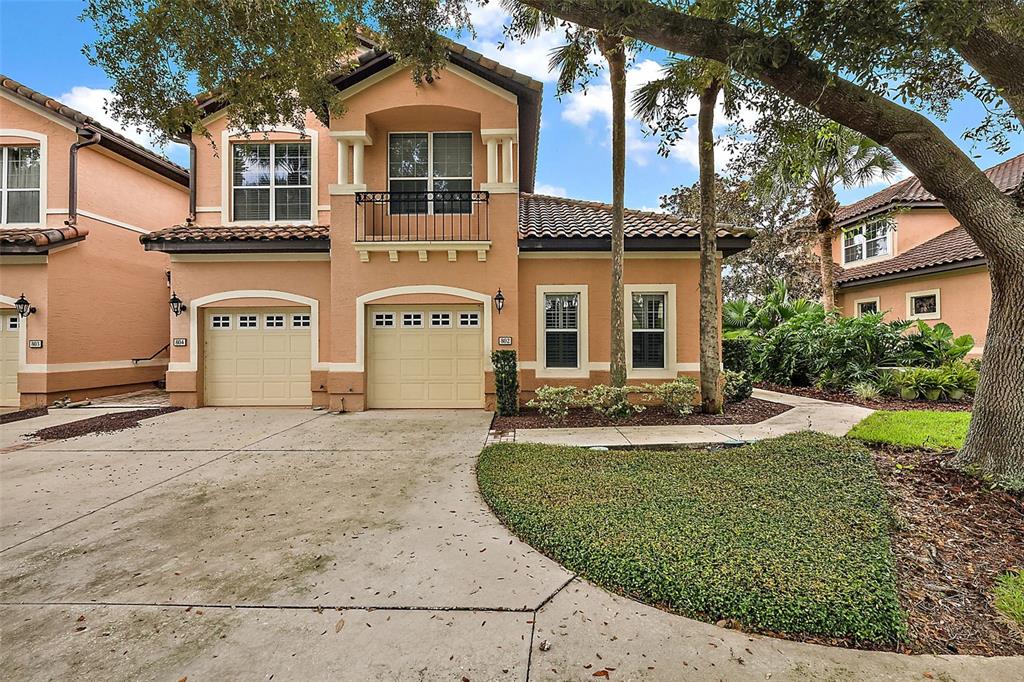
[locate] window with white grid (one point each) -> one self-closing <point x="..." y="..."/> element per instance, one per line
<point x="440" y="319"/>
<point x="412" y="319"/>
<point x="220" y="321"/>
<point x="273" y="321"/>
<point x="300" y="321"/>
<point x="383" y="319"/>
<point x="469" y="319"/>
<point x="248" y="322"/>
<point x="19" y="185"/>
<point x="271" y="181"/>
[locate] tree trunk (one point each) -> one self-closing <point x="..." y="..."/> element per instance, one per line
<point x="710" y="322"/>
<point x="995" y="439"/>
<point x="824" y="224"/>
<point x="612" y="48"/>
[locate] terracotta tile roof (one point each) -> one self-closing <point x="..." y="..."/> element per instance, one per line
<point x="546" y="217"/>
<point x="953" y="246"/>
<point x="238" y="233"/>
<point x="1006" y="176"/>
<point x="41" y="237"/>
<point x="112" y="139"/>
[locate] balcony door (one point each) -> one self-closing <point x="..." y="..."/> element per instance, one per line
<point x="430" y="173"/>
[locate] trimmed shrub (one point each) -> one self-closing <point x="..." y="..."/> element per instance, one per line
<point x="506" y="381"/>
<point x="677" y="395"/>
<point x="736" y="354"/>
<point x="554" y="402"/>
<point x="614" y="403"/>
<point x="738" y="386"/>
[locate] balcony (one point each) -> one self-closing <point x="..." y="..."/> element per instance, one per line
<point x="423" y="222"/>
<point x="421" y="217"/>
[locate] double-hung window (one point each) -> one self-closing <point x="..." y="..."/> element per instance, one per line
<point x="271" y="181"/>
<point x="19" y="185"/>
<point x="870" y="240"/>
<point x="430" y="172"/>
<point x="648" y="331"/>
<point x="561" y="330"/>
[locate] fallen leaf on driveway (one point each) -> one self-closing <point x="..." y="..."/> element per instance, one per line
<point x="339" y="625"/>
<point x="601" y="673"/>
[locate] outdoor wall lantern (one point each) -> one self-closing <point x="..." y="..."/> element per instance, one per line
<point x="177" y="305"/>
<point x="499" y="300"/>
<point x="23" y="307"/>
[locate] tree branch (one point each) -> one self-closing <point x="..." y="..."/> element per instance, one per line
<point x="939" y="164"/>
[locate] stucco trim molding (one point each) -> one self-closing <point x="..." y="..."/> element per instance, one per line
<point x="368" y="298"/>
<point x="43" y="162"/>
<point x="195" y="312"/>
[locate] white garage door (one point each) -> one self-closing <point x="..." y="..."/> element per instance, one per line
<point x="9" y="347"/>
<point x="425" y="356"/>
<point x="258" y="356"/>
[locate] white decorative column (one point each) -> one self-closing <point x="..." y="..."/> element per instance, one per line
<point x="500" y="174"/>
<point x="492" y="160"/>
<point x="506" y="159"/>
<point x="342" y="162"/>
<point x="357" y="162"/>
<point x="357" y="140"/>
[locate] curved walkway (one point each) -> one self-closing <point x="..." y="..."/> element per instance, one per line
<point x="232" y="543"/>
<point x="805" y="414"/>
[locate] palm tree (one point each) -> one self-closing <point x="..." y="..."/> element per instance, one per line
<point x="819" y="159"/>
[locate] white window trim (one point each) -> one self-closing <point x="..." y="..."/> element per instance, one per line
<point x="476" y="318"/>
<point x="672" y="367"/>
<point x="583" y="333"/>
<point x="231" y="322"/>
<point x="911" y="295"/>
<point x="227" y="179"/>
<point x="282" y="326"/>
<point x="449" y="325"/>
<point x="392" y="317"/>
<point x="430" y="167"/>
<point x="403" y="325"/>
<point x="41" y="139"/>
<point x="238" y="322"/>
<point x="866" y="261"/>
<point x="303" y="317"/>
<point x="872" y="299"/>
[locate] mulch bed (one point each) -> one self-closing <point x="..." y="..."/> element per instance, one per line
<point x="883" y="403"/>
<point x="749" y="411"/>
<point x="104" y="423"/>
<point x="23" y="414"/>
<point x="955" y="536"/>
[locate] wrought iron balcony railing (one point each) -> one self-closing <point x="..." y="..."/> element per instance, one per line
<point x="421" y="216"/>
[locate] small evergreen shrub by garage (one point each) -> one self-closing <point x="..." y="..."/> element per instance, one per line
<point x="554" y="402"/>
<point x="506" y="381"/>
<point x="677" y="395"/>
<point x="736" y="354"/>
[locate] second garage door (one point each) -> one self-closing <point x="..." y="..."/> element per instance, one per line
<point x="9" y="346"/>
<point x="425" y="356"/>
<point x="257" y="356"/>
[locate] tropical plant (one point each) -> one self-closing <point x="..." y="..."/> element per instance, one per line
<point x="960" y="380"/>
<point x="885" y="382"/>
<point x="737" y="315"/>
<point x="865" y="390"/>
<point x="736" y="354"/>
<point x="936" y="346"/>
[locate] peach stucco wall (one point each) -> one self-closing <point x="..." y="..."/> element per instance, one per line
<point x="213" y="164"/>
<point x="102" y="301"/>
<point x="913" y="228"/>
<point x="964" y="300"/>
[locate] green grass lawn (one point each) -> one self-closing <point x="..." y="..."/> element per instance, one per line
<point x="915" y="429"/>
<point x="1009" y="596"/>
<point x="786" y="535"/>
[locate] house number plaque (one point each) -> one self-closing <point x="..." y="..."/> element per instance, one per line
<point x="504" y="340"/>
<point x="180" y="342"/>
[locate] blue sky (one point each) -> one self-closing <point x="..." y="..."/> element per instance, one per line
<point x="41" y="41"/>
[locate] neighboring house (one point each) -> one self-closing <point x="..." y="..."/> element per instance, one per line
<point x="901" y="252"/>
<point x="378" y="262"/>
<point x="96" y="301"/>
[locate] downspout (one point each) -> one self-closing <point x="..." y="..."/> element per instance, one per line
<point x="94" y="138"/>
<point x="191" y="176"/>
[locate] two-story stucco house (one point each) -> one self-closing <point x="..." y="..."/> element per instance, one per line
<point x="83" y="307"/>
<point x="900" y="251"/>
<point x="378" y="262"/>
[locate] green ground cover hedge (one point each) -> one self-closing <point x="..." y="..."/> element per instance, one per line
<point x="914" y="429"/>
<point x="786" y="535"/>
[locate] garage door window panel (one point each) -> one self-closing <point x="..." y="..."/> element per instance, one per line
<point x="414" y="320"/>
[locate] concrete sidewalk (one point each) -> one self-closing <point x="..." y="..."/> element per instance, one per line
<point x="806" y="414"/>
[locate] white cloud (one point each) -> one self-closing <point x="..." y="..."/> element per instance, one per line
<point x="92" y="102"/>
<point x="551" y="190"/>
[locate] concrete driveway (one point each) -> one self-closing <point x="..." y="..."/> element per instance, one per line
<point x="288" y="544"/>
